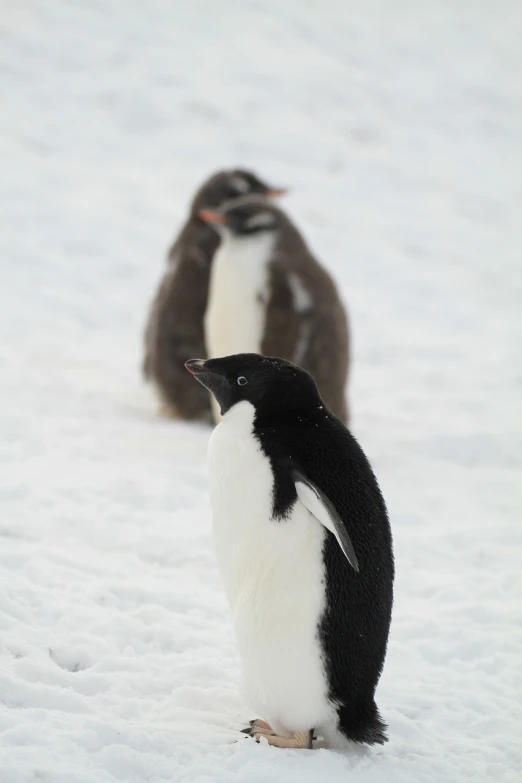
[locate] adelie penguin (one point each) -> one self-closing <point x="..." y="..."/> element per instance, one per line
<point x="175" y="330"/>
<point x="304" y="547"/>
<point x="269" y="295"/>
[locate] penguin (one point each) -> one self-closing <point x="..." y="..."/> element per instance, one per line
<point x="269" y="295"/>
<point x="304" y="548"/>
<point x="174" y="329"/>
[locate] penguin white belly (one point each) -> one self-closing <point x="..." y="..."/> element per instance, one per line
<point x="235" y="316"/>
<point x="273" y="573"/>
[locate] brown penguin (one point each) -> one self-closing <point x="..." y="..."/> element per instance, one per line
<point x="174" y="331"/>
<point x="269" y="295"/>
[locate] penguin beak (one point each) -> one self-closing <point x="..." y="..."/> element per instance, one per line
<point x="213" y="379"/>
<point x="210" y="216"/>
<point x="195" y="366"/>
<point x="275" y="192"/>
<point x="206" y="372"/>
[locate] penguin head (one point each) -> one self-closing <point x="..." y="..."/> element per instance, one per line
<point x="276" y="388"/>
<point x="228" y="185"/>
<point x="245" y="217"/>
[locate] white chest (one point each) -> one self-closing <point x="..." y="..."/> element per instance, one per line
<point x="241" y="492"/>
<point x="273" y="574"/>
<point x="235" y="317"/>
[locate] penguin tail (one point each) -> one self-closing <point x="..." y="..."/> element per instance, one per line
<point x="363" y="725"/>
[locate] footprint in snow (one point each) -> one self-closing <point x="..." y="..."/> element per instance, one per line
<point x="71" y="661"/>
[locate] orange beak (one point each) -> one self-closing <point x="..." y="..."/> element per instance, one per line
<point x="275" y="192"/>
<point x="209" y="216"/>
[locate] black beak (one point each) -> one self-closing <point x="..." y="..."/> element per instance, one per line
<point x="195" y="366"/>
<point x="212" y="378"/>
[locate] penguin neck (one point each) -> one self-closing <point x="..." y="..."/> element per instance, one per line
<point x="197" y="232"/>
<point x="258" y="245"/>
<point x="288" y="415"/>
<point x="245" y="416"/>
<point x="240" y="416"/>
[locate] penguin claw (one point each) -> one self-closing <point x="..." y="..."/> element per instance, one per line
<point x="260" y="728"/>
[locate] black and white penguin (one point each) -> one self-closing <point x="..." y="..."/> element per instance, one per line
<point x="174" y="330"/>
<point x="269" y="295"/>
<point x="304" y="548"/>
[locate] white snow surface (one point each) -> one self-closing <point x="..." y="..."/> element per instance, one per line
<point x="398" y="126"/>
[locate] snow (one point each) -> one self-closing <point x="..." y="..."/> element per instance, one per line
<point x="398" y="127"/>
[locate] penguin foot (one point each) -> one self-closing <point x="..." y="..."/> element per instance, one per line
<point x="258" y="727"/>
<point x="168" y="411"/>
<point x="301" y="739"/>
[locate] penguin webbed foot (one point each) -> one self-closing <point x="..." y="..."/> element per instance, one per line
<point x="260" y="728"/>
<point x="301" y="739"/>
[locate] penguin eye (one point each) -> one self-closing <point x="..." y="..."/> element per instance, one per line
<point x="241" y="380"/>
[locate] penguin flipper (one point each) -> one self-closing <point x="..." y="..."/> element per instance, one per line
<point x="324" y="511"/>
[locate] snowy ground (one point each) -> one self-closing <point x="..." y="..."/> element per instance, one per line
<point x="399" y="126"/>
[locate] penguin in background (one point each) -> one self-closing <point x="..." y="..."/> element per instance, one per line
<point x="269" y="295"/>
<point x="174" y="330"/>
<point x="304" y="548"/>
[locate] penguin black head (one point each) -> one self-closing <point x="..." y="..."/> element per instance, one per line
<point x="276" y="388"/>
<point x="244" y="217"/>
<point x="227" y="185"/>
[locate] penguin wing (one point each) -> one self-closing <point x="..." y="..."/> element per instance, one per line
<point x="324" y="511"/>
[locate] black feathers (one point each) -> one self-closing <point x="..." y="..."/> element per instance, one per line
<point x="355" y="625"/>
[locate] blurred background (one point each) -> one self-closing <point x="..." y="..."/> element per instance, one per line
<point x="398" y="128"/>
